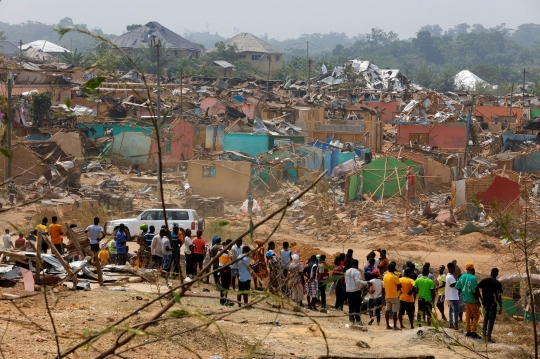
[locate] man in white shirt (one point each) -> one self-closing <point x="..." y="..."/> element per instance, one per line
<point x="7" y="240"/>
<point x="236" y="252"/>
<point x="156" y="248"/>
<point x="452" y="296"/>
<point x="354" y="285"/>
<point x="166" y="250"/>
<point x="96" y="235"/>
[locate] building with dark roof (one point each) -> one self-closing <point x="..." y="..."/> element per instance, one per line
<point x="258" y="52"/>
<point x="141" y="37"/>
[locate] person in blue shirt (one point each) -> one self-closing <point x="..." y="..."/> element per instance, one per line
<point x="121" y="249"/>
<point x="244" y="275"/>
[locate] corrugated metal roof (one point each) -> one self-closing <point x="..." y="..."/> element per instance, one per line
<point x="224" y="64"/>
<point x="45" y="46"/>
<point x="8" y="48"/>
<point x="246" y="42"/>
<point x="140" y="38"/>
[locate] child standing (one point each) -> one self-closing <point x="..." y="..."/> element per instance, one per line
<point x="104" y="254"/>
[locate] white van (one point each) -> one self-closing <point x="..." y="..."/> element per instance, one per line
<point x="183" y="218"/>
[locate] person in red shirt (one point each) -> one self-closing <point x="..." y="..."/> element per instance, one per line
<point x="20" y="242"/>
<point x="199" y="246"/>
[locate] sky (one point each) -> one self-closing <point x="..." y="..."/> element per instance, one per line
<point x="280" y="19"/>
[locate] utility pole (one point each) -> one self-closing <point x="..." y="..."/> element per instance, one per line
<point x="511" y="99"/>
<point x="158" y="114"/>
<point x="309" y="78"/>
<point x="10" y="121"/>
<point x="523" y="87"/>
<point x="269" y="58"/>
<point x="467" y="124"/>
<point x="181" y="90"/>
<point x="309" y="69"/>
<point x="20" y="52"/>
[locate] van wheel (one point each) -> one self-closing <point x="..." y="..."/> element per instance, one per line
<point x="201" y="224"/>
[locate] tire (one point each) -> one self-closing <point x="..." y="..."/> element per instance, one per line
<point x="201" y="224"/>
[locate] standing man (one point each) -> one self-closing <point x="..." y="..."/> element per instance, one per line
<point x="441" y="290"/>
<point x="376" y="292"/>
<point x="214" y="251"/>
<point x="188" y="252"/>
<point x="236" y="252"/>
<point x="383" y="265"/>
<point x="112" y="251"/>
<point x="406" y="301"/>
<point x="425" y="288"/>
<point x="96" y="235"/>
<point x="156" y="250"/>
<point x="452" y="296"/>
<point x="491" y="299"/>
<point x="312" y="286"/>
<point x="285" y="256"/>
<point x="42" y="230"/>
<point x="322" y="277"/>
<point x="468" y="284"/>
<point x="244" y="276"/>
<point x="12" y="187"/>
<point x="199" y="250"/>
<point x="56" y="232"/>
<point x="7" y="239"/>
<point x="166" y="250"/>
<point x="391" y="290"/>
<point x="121" y="249"/>
<point x="354" y="285"/>
<point x="225" y="275"/>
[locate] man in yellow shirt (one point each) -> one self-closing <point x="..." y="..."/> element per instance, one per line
<point x="406" y="300"/>
<point x="391" y="287"/>
<point x="55" y="230"/>
<point x="42" y="230"/>
<point x="441" y="291"/>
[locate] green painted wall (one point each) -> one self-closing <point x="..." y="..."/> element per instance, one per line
<point x="374" y="174"/>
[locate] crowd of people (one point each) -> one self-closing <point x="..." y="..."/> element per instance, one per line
<point x="378" y="286"/>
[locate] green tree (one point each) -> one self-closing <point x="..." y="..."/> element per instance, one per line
<point x="40" y="107"/>
<point x="133" y="27"/>
<point x="74" y="58"/>
<point x="2" y="36"/>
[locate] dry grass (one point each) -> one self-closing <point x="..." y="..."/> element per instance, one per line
<point x="81" y="215"/>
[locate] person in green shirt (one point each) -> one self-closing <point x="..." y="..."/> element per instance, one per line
<point x="425" y="288"/>
<point x="468" y="285"/>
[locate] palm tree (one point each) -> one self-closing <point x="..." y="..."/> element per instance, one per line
<point x="74" y="58"/>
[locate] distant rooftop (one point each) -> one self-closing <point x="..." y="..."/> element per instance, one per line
<point x="246" y="42"/>
<point x="45" y="46"/>
<point x="141" y="37"/>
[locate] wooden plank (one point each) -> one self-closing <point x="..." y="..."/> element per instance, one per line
<point x="61" y="260"/>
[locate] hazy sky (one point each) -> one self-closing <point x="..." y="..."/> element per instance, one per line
<point x="281" y="19"/>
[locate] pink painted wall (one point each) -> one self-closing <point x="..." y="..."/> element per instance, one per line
<point x="249" y="110"/>
<point x="181" y="144"/>
<point x="440" y="136"/>
<point x="213" y="105"/>
<point x="388" y="108"/>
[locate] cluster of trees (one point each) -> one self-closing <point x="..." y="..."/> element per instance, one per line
<point x="432" y="58"/>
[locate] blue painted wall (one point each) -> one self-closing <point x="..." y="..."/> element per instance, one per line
<point x="118" y="127"/>
<point x="38" y="137"/>
<point x="251" y="143"/>
<point x="527" y="163"/>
